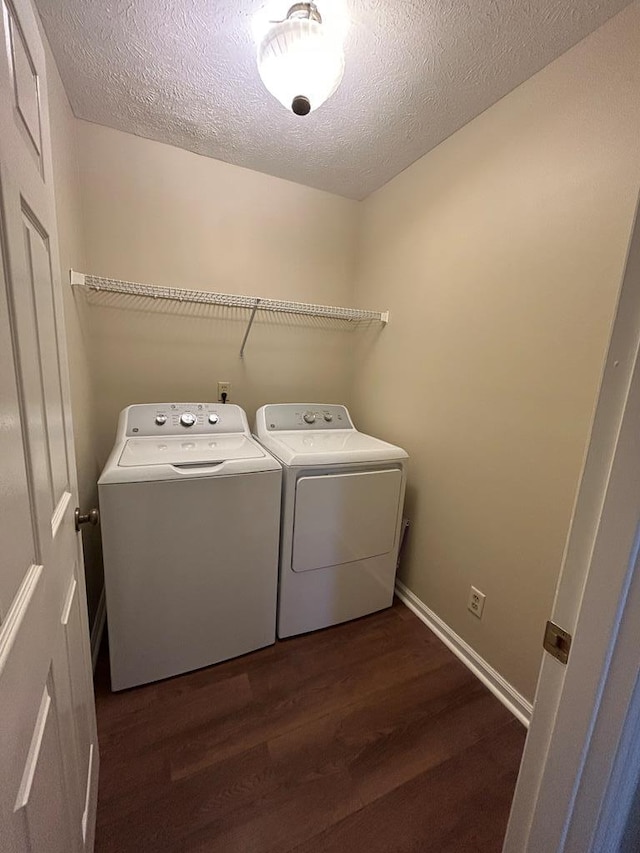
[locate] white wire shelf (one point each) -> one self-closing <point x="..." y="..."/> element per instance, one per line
<point x="231" y="300"/>
<point x="178" y="294"/>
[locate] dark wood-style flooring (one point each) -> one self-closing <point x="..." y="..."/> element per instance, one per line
<point x="369" y="737"/>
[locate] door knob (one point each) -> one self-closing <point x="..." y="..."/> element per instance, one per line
<point x="92" y="517"/>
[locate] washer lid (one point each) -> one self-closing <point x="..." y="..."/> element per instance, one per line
<point x="141" y="460"/>
<point x="187" y="451"/>
<point x="325" y="448"/>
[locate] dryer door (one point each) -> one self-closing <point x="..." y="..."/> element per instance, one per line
<point x="342" y="518"/>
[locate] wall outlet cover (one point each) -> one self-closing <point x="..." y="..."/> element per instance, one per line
<point x="476" y="602"/>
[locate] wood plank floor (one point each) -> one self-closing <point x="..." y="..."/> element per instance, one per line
<point x="369" y="736"/>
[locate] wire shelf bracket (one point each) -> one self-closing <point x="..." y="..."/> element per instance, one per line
<point x="231" y="300"/>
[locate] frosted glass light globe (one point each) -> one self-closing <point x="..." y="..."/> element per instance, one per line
<point x="301" y="63"/>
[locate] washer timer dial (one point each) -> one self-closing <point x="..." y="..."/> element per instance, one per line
<point x="309" y="417"/>
<point x="187" y="419"/>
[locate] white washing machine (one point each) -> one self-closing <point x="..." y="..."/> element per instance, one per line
<point x="343" y="493"/>
<point x="190" y="512"/>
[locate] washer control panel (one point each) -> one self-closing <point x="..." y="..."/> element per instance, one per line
<point x="149" y="419"/>
<point x="299" y="416"/>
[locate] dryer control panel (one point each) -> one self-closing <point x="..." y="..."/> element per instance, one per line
<point x="282" y="417"/>
<point x="148" y="419"/>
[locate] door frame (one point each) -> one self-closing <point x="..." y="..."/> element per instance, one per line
<point x="575" y="785"/>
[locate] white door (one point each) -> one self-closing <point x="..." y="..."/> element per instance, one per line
<point x="571" y="795"/>
<point x="48" y="749"/>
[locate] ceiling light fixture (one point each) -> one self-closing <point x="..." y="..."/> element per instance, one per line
<point x="301" y="62"/>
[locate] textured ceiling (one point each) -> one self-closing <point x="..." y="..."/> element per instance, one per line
<point x="184" y="72"/>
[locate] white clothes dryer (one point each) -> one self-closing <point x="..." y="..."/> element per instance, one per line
<point x="190" y="511"/>
<point x="343" y="494"/>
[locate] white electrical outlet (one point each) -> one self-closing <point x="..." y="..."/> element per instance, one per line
<point x="224" y="388"/>
<point x="476" y="602"/>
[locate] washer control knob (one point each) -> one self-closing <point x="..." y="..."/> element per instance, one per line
<point x="213" y="418"/>
<point x="161" y="420"/>
<point x="328" y="417"/>
<point x="309" y="417"/>
<point x="187" y="419"/>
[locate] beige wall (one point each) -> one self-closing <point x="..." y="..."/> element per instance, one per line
<point x="157" y="214"/>
<point x="70" y="239"/>
<point x="499" y="255"/>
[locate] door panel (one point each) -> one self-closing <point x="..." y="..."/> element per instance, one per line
<point x="77" y="668"/>
<point x="22" y="652"/>
<point x="18" y="550"/>
<point x="41" y="286"/>
<point x="24" y="331"/>
<point x="43" y="798"/>
<point x="24" y="77"/>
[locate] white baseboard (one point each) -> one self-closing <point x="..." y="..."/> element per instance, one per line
<point x="98" y="628"/>
<point x="508" y="695"/>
